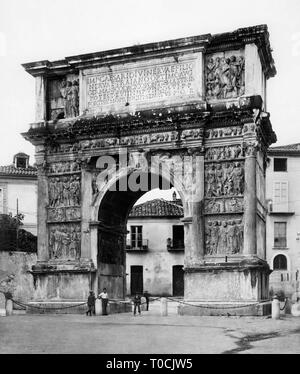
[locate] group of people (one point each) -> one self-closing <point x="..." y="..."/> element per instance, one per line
<point x="103" y="296"/>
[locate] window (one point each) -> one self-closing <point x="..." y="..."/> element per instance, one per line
<point x="280" y="234"/>
<point x="280" y="262"/>
<point x="136" y="236"/>
<point x="280" y="196"/>
<point x="280" y="164"/>
<point x="178" y="236"/>
<point x="21" y="162"/>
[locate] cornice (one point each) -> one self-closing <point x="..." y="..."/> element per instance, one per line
<point x="206" y="43"/>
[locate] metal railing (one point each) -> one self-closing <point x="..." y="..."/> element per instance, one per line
<point x="175" y="245"/>
<point x="137" y="245"/>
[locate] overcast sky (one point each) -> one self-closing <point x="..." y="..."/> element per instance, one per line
<point x="33" y="30"/>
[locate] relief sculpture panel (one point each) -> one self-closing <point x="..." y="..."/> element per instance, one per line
<point x="224" y="179"/>
<point x="222" y="205"/>
<point x="224" y="237"/>
<point x="224" y="153"/>
<point x="64" y="167"/>
<point x="63" y="97"/>
<point x="225" y="76"/>
<point x="64" y="241"/>
<point x="64" y="191"/>
<point x="223" y="132"/>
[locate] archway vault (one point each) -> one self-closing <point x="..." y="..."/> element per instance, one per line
<point x="114" y="206"/>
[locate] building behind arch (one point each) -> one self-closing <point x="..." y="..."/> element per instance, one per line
<point x="283" y="219"/>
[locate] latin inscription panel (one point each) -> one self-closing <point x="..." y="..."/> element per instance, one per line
<point x="119" y="88"/>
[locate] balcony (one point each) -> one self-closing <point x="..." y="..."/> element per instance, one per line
<point x="175" y="245"/>
<point x="137" y="246"/>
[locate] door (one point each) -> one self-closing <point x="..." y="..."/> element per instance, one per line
<point x="136" y="279"/>
<point x="178" y="280"/>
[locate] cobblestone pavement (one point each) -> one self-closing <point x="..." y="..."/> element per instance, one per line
<point x="148" y="334"/>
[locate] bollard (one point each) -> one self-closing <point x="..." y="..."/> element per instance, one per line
<point x="163" y="306"/>
<point x="295" y="310"/>
<point x="98" y="307"/>
<point x="275" y="308"/>
<point x="9" y="307"/>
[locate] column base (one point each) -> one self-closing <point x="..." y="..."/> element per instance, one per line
<point x="227" y="285"/>
<point x="62" y="280"/>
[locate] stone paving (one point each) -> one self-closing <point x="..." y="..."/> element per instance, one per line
<point x="148" y="334"/>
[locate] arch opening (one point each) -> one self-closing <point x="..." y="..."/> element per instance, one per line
<point x="113" y="213"/>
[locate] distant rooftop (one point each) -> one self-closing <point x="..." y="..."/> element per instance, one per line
<point x="19" y="168"/>
<point x="158" y="208"/>
<point x="12" y="170"/>
<point x="285" y="149"/>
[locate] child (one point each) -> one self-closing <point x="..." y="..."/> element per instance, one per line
<point x="137" y="303"/>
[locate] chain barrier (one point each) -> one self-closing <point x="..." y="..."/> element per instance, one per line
<point x="215" y="307"/>
<point x="24" y="305"/>
<point x="285" y="302"/>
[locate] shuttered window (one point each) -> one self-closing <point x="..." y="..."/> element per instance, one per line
<point x="280" y="196"/>
<point x="280" y="234"/>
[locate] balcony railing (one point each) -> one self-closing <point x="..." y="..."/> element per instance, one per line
<point x="175" y="245"/>
<point x="139" y="245"/>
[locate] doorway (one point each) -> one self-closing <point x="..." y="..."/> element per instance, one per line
<point x="136" y="279"/>
<point x="178" y="280"/>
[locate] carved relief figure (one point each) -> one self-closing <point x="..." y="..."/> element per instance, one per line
<point x="64" y="191"/>
<point x="223" y="153"/>
<point x="224" y="237"/>
<point x="224" y="205"/>
<point x="64" y="167"/>
<point x="64" y="242"/>
<point x="224" y="179"/>
<point x="70" y="93"/>
<point x="223" y="132"/>
<point x="225" y="77"/>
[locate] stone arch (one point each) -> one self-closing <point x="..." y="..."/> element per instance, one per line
<point x="110" y="212"/>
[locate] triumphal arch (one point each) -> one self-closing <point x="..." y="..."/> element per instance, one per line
<point x="189" y="113"/>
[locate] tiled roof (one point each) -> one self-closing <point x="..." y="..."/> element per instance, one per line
<point x="158" y="208"/>
<point x="18" y="172"/>
<point x="286" y="148"/>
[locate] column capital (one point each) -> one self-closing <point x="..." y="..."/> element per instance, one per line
<point x="250" y="148"/>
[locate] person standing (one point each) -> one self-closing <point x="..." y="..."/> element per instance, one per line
<point x="104" y="298"/>
<point x="147" y="297"/>
<point x="91" y="304"/>
<point x="137" y="304"/>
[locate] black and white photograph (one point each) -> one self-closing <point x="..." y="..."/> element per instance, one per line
<point x="149" y="180"/>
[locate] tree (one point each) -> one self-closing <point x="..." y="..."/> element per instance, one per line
<point x="12" y="238"/>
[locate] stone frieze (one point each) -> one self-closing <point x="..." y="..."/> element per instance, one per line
<point x="64" y="191"/>
<point x="223" y="132"/>
<point x="224" y="205"/>
<point x="64" y="241"/>
<point x="64" y="167"/>
<point x="64" y="214"/>
<point x="224" y="179"/>
<point x="224" y="153"/>
<point x="224" y="237"/>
